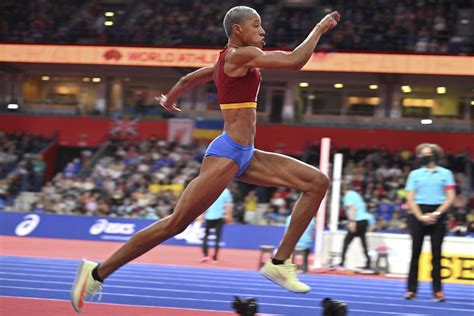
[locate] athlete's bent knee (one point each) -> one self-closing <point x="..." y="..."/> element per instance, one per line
<point x="175" y="227"/>
<point x="323" y="180"/>
<point x="319" y="182"/>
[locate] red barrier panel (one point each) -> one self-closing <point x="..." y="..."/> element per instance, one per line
<point x="75" y="131"/>
<point x="88" y="131"/>
<point x="292" y="139"/>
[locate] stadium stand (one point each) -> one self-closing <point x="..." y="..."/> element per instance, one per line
<point x="21" y="166"/>
<point x="131" y="179"/>
<point x="434" y="27"/>
<point x="144" y="179"/>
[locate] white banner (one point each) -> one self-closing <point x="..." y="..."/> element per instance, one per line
<point x="181" y="131"/>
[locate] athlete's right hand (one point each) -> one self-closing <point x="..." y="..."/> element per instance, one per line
<point x="329" y="21"/>
<point x="163" y="100"/>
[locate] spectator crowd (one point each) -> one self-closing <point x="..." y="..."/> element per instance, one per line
<point x="21" y="166"/>
<point x="144" y="179"/>
<point x="422" y="26"/>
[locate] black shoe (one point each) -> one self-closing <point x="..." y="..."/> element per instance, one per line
<point x="439" y="297"/>
<point x="339" y="266"/>
<point x="364" y="268"/>
<point x="410" y="295"/>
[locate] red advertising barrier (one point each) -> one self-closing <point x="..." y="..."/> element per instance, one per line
<point x="292" y="139"/>
<point x="87" y="131"/>
<point x="76" y="131"/>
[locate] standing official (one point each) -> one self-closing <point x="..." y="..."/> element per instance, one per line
<point x="215" y="218"/>
<point x="430" y="193"/>
<point x="359" y="222"/>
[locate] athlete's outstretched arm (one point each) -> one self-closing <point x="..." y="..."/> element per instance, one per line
<point x="183" y="85"/>
<point x="295" y="60"/>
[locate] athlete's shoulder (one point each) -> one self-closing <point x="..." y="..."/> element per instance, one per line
<point x="246" y="52"/>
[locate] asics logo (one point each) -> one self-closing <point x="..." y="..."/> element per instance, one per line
<point x="28" y="225"/>
<point x="104" y="226"/>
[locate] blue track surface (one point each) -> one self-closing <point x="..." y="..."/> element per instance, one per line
<point x="213" y="289"/>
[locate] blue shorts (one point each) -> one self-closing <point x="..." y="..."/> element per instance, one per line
<point x="224" y="146"/>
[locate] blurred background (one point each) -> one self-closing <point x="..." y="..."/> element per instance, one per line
<point x="82" y="138"/>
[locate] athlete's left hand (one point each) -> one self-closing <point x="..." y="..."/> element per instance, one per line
<point x="163" y="100"/>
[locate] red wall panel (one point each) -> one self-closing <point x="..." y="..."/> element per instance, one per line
<point x="88" y="131"/>
<point x="292" y="139"/>
<point x="75" y="131"/>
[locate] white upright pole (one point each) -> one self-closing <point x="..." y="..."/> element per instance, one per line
<point x="335" y="192"/>
<point x="320" y="217"/>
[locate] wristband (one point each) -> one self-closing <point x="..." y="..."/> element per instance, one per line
<point x="437" y="214"/>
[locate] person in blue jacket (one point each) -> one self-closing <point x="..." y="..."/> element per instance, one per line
<point x="359" y="221"/>
<point x="430" y="193"/>
<point x="215" y="218"/>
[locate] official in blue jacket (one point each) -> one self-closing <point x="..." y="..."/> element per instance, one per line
<point x="430" y="193"/>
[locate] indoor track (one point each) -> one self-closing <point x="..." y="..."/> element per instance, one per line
<point x="40" y="286"/>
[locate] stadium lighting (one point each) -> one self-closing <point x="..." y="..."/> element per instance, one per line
<point x="472" y="102"/>
<point x="86" y="79"/>
<point x="440" y="90"/>
<point x="338" y="85"/>
<point x="406" y="89"/>
<point x="373" y="87"/>
<point x="109" y="14"/>
<point x="426" y="122"/>
<point x="45" y="78"/>
<point x="108" y="23"/>
<point x="304" y="85"/>
<point x="96" y="79"/>
<point x="311" y="97"/>
<point x="12" y="106"/>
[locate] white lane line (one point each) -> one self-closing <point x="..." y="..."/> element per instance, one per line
<point x="228" y="281"/>
<point x="166" y="289"/>
<point x="196" y="272"/>
<point x="214" y="301"/>
<point x="130" y="305"/>
<point x="268" y="287"/>
<point x="254" y="294"/>
<point x="271" y="288"/>
<point x="34" y="259"/>
<point x="315" y="280"/>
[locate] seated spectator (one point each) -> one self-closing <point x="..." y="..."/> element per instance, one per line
<point x="470" y="221"/>
<point x="384" y="212"/>
<point x="397" y="223"/>
<point x="250" y="208"/>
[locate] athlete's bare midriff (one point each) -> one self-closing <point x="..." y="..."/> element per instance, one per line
<point x="239" y="124"/>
